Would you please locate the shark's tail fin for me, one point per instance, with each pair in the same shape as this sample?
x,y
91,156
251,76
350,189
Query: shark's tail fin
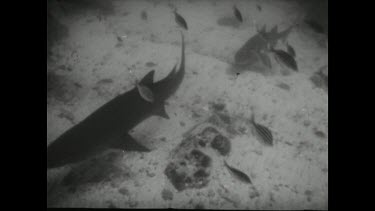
x,y
182,65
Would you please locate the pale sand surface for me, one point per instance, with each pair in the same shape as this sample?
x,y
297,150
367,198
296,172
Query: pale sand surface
x,y
292,174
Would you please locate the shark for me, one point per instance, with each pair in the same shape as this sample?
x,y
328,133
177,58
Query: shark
x,y
254,49
108,127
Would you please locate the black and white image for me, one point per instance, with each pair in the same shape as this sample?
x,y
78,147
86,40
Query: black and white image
x,y
187,104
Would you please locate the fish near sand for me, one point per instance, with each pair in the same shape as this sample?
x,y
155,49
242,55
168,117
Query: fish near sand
x,y
315,26
264,133
238,174
285,59
108,127
237,13
247,54
180,20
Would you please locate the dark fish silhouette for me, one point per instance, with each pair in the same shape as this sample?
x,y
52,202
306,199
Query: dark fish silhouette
x,y
180,20
315,26
238,174
247,54
259,7
285,59
108,126
264,133
237,13
290,50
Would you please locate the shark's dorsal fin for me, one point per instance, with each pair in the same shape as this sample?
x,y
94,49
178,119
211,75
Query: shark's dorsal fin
x,y
162,113
128,143
274,30
148,78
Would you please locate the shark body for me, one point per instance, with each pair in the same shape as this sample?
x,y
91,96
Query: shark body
x,y
252,51
108,126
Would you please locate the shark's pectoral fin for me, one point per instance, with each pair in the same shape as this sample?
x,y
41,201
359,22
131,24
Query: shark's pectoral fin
x,y
162,113
128,143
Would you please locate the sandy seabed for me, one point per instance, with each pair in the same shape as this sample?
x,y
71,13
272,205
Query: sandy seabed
x,y
91,66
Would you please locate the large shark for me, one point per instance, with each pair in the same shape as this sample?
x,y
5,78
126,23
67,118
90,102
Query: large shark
x,y
253,50
108,126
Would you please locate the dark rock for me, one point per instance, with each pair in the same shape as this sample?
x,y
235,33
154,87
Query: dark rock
x,y
167,194
218,106
201,173
202,143
176,178
225,118
221,144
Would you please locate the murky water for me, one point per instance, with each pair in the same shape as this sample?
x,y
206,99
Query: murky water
x,y
165,145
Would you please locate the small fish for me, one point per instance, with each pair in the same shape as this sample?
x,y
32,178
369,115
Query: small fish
x,y
238,174
259,7
180,20
290,50
315,26
263,132
285,58
237,13
145,92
